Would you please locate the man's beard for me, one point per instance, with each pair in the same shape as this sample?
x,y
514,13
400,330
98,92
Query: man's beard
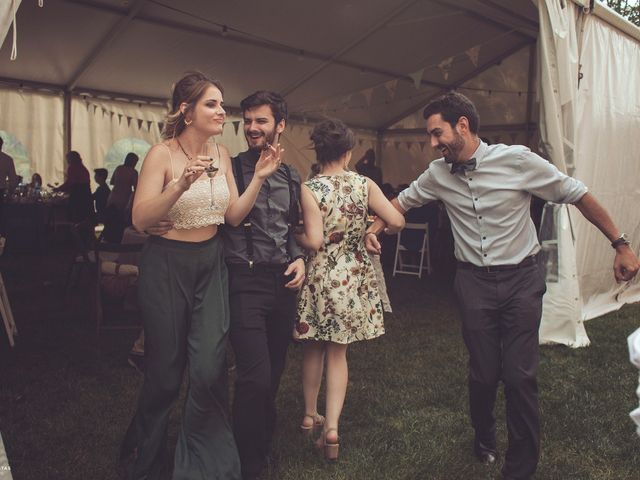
x,y
268,137
453,149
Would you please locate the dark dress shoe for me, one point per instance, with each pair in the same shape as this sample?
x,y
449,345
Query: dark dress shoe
x,y
485,453
487,458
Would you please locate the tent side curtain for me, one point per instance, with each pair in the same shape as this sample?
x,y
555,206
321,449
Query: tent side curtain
x,y
557,75
607,158
35,122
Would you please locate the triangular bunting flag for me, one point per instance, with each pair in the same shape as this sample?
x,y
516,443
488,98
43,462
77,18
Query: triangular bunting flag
x,y
422,145
111,114
409,145
87,104
368,93
161,126
391,86
417,78
140,124
104,111
473,53
445,67
129,121
119,118
149,122
236,126
95,107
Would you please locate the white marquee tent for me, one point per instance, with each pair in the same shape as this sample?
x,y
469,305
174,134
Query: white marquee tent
x,y
93,75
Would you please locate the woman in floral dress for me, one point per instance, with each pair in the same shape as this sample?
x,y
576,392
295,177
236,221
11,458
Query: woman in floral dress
x,y
339,302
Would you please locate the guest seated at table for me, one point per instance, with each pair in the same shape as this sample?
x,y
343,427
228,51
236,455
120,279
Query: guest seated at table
x,y
77,185
36,181
101,195
8,179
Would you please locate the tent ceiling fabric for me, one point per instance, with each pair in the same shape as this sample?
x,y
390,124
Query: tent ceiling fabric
x,y
367,62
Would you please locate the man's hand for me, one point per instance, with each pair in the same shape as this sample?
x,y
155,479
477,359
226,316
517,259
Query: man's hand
x,y
296,267
625,265
160,228
372,244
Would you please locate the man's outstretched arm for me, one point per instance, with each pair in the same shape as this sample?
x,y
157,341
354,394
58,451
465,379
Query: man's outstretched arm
x,y
625,264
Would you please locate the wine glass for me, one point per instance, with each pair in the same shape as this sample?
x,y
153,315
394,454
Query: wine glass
x,y
210,152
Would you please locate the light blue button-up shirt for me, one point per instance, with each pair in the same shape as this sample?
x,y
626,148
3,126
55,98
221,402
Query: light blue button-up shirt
x,y
489,206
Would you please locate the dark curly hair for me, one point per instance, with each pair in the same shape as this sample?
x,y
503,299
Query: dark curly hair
x,y
331,139
265,97
452,106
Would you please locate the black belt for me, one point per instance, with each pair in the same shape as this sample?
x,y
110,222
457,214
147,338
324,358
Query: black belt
x,y
258,267
530,260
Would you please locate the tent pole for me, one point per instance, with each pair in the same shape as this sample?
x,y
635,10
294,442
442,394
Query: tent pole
x,y
379,135
66,122
532,71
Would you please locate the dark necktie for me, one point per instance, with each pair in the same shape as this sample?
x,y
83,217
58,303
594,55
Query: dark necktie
x,y
464,166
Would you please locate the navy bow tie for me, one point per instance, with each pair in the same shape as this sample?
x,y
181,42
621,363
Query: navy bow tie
x,y
464,166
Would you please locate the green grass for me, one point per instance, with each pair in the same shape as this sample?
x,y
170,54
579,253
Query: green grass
x,y
66,396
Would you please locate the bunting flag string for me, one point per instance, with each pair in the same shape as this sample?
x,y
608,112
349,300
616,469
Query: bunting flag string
x,y
445,67
368,93
417,78
391,86
473,53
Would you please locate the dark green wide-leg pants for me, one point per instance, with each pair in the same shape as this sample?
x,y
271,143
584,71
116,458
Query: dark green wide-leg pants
x,y
183,295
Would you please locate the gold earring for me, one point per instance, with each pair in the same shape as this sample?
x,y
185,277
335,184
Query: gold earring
x,y
187,123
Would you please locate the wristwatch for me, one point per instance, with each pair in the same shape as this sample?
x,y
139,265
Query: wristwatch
x,y
621,240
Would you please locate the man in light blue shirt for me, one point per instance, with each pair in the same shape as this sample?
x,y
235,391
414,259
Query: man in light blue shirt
x,y
487,192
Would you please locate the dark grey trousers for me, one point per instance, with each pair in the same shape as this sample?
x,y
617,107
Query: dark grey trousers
x,y
183,295
262,316
500,319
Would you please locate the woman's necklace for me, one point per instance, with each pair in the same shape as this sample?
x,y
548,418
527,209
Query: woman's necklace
x,y
184,151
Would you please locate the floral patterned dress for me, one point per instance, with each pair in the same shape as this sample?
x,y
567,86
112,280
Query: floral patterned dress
x,y
339,301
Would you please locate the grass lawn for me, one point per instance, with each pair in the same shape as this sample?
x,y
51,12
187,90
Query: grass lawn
x,y
67,396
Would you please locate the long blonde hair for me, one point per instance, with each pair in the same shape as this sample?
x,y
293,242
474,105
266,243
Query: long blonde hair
x,y
189,89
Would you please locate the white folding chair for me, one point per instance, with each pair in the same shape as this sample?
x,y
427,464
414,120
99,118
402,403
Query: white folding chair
x,y
400,265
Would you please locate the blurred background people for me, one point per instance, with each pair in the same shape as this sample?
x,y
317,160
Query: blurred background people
x,y
8,178
117,215
367,166
101,195
77,185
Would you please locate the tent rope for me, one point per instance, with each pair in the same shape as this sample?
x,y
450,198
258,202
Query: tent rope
x,y
14,47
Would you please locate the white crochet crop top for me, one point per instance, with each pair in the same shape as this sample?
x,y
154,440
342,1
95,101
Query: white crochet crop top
x,y
203,204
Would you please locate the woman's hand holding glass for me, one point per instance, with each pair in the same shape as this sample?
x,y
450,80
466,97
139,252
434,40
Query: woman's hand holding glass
x,y
192,171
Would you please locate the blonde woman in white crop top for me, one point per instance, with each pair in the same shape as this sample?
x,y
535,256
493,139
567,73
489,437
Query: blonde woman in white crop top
x,y
172,168
182,288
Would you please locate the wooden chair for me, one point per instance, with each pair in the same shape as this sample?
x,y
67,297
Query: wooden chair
x,y
105,302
